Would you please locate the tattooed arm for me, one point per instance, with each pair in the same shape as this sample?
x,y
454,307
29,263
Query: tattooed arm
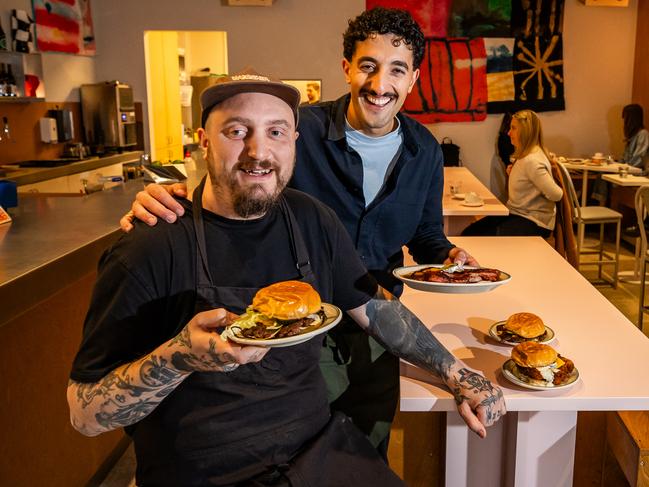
x,y
131,391
479,402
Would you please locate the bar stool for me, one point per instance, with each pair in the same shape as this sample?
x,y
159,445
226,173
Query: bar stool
x,y
589,215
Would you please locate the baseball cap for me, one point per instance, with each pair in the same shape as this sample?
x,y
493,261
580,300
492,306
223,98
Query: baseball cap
x,y
247,81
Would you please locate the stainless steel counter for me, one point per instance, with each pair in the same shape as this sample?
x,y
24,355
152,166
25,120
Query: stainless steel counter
x,y
22,176
54,240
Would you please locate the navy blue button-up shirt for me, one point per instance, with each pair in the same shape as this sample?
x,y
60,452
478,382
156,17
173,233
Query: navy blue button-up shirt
x,y
406,211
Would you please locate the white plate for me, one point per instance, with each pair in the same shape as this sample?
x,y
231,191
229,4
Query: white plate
x,y
507,372
459,196
447,287
333,316
494,334
477,203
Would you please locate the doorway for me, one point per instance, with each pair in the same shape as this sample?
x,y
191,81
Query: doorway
x,y
179,64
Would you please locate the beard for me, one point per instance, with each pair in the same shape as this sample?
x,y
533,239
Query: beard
x,y
252,200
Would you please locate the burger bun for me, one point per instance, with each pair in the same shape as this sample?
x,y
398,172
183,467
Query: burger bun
x,y
532,354
287,300
526,325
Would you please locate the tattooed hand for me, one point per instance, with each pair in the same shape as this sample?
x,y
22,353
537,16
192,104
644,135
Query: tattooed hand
x,y
131,391
198,347
479,402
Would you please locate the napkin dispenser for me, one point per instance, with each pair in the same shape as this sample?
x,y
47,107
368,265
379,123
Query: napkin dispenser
x,y
49,133
64,124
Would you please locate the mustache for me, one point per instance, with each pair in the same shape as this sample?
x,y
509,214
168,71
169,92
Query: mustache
x,y
252,164
365,91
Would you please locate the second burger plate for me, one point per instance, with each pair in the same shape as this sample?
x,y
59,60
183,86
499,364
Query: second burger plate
x,y
333,316
493,333
510,376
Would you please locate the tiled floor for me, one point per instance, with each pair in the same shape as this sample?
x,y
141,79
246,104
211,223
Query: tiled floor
x,y
625,298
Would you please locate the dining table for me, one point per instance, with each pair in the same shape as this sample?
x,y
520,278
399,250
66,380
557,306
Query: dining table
x,y
533,444
459,213
586,166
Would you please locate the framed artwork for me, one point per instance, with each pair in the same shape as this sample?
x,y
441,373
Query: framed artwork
x,y
64,26
310,89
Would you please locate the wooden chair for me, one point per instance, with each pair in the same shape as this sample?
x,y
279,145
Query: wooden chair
x,y
627,435
588,215
641,207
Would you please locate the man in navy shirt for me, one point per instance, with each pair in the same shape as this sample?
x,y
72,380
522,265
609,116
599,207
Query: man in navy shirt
x,y
382,173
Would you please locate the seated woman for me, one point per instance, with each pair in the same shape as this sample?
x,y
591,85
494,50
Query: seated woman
x,y
636,137
532,189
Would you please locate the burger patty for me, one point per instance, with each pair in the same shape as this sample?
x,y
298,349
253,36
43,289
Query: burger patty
x,y
289,328
434,274
560,375
513,337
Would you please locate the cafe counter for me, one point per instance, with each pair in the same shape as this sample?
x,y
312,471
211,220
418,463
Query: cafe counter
x,y
48,261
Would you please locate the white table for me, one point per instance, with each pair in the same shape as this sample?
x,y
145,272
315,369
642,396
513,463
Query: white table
x,y
585,167
534,444
458,216
629,180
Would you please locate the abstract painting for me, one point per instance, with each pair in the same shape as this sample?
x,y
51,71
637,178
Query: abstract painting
x,y
480,18
500,72
537,18
452,86
64,26
431,15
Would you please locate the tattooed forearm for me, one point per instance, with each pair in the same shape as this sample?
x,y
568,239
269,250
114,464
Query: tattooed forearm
x,y
125,395
403,334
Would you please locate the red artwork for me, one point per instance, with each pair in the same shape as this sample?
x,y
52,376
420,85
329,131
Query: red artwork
x,y
431,15
64,26
452,86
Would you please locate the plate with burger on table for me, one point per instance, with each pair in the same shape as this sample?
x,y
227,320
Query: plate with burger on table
x,y
521,327
538,366
451,278
283,314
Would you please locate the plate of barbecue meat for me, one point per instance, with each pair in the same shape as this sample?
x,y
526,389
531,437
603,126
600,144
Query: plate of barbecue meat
x,y
451,279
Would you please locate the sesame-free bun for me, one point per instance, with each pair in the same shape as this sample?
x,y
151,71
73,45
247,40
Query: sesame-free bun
x,y
527,325
532,354
287,300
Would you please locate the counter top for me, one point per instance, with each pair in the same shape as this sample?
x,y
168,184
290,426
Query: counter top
x,y
31,175
51,240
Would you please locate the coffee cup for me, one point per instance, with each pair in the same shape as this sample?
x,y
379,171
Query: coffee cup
x,y
472,198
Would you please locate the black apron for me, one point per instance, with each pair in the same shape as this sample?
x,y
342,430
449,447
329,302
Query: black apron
x,y
296,444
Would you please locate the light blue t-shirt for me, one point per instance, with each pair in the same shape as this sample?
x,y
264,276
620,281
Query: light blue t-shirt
x,y
376,153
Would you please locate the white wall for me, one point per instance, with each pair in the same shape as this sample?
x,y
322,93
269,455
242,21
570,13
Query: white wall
x,y
302,39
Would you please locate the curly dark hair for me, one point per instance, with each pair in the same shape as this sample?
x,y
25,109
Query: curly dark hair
x,y
379,21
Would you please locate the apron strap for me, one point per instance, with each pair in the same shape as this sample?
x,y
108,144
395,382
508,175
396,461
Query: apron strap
x,y
204,278
298,247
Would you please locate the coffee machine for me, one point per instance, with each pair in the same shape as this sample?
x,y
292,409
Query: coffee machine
x,y
108,116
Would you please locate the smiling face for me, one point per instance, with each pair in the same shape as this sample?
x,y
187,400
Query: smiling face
x,y
249,145
380,75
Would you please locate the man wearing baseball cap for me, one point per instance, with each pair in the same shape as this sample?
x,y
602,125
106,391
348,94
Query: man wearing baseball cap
x,y
203,410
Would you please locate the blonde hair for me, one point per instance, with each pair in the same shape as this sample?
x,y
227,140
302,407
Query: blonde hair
x,y
530,133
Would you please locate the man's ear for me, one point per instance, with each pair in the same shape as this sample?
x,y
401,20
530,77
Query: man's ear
x,y
202,138
346,69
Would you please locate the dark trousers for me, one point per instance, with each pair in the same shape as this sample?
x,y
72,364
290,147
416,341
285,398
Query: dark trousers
x,y
505,226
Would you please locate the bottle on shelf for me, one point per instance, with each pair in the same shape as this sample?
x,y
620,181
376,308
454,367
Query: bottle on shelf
x,y
3,80
11,82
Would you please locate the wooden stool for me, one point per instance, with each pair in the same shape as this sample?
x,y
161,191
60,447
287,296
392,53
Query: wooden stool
x,y
627,435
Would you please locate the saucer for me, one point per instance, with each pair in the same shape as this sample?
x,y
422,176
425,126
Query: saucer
x,y
475,203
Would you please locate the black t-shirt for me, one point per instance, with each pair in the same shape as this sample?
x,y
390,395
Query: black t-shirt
x,y
145,291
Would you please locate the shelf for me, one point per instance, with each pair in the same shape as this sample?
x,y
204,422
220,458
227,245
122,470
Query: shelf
x,y
20,99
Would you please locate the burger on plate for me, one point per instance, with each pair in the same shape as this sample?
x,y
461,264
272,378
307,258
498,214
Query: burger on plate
x,y
280,310
522,327
539,364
